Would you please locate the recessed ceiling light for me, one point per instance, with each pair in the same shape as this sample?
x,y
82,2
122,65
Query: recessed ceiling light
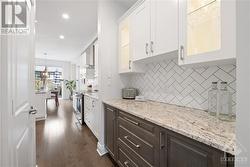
x,y
65,16
61,37
36,21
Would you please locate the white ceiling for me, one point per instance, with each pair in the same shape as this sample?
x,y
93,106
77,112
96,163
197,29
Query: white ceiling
x,y
79,30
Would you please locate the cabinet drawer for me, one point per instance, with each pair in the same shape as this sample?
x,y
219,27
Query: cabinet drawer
x,y
124,160
151,138
127,158
146,150
137,122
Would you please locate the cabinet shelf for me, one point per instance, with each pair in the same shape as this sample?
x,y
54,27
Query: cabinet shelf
x,y
202,6
125,48
125,45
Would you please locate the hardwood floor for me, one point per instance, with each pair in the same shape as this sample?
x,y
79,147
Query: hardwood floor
x,y
63,143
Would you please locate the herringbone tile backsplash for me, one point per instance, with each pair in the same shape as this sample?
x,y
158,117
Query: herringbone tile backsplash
x,y
169,83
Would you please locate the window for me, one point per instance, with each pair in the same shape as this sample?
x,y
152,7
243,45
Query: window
x,y
48,78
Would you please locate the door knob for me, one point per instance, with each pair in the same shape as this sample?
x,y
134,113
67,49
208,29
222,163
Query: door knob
x,y
32,110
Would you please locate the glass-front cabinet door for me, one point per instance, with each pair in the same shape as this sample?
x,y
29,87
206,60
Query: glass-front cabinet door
x,y
124,46
126,65
207,31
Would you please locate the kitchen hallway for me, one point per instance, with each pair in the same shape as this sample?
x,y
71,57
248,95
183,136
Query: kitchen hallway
x,y
61,142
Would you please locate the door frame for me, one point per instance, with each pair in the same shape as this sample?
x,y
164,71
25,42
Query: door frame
x,y
5,101
1,96
6,157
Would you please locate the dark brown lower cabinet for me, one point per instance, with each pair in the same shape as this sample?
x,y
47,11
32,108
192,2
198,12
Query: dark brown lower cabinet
x,y
180,151
134,142
140,137
110,130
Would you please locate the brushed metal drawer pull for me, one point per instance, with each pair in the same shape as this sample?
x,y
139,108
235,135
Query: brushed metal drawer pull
x,y
126,163
129,120
110,109
136,145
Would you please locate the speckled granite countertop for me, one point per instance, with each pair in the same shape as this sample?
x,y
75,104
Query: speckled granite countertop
x,y
193,123
92,95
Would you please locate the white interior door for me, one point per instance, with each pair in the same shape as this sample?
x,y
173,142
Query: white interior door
x,y
22,118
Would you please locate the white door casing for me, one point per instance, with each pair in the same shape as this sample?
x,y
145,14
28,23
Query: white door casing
x,y
17,72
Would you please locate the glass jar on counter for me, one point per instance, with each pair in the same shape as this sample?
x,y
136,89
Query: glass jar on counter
x,y
224,110
212,99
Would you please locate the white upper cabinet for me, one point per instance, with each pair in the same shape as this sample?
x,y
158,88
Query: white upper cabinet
x,y
203,32
140,31
126,64
83,59
155,29
89,61
124,46
164,26
90,55
207,31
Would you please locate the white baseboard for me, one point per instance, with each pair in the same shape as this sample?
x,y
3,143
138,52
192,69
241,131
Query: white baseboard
x,y
101,149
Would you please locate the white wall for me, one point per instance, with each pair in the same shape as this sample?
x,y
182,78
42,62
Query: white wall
x,y
109,81
243,83
66,66
73,72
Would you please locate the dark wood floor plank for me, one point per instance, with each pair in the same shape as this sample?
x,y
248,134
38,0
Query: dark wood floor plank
x,y
61,142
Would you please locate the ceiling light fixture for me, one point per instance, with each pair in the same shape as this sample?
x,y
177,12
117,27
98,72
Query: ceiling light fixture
x,y
61,37
65,16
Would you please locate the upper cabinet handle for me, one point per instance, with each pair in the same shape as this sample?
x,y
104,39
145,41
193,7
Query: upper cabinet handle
x,y
182,52
151,46
129,64
146,48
